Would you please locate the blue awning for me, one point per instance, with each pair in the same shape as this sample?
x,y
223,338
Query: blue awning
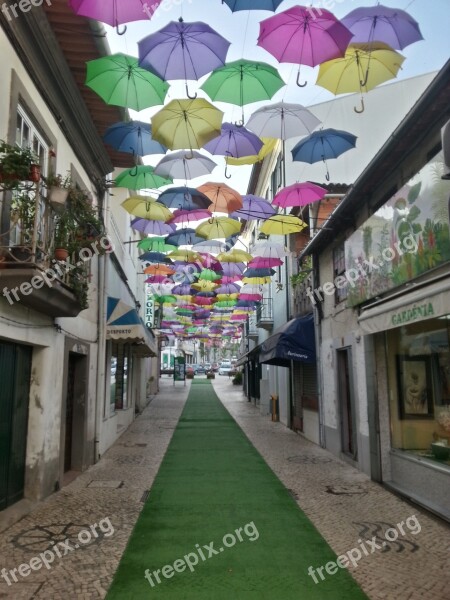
x,y
124,326
295,340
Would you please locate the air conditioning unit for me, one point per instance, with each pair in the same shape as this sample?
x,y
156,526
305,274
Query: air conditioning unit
x,y
445,132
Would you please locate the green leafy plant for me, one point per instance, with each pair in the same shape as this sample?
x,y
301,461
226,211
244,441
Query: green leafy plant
x,y
23,210
58,181
237,380
15,164
306,269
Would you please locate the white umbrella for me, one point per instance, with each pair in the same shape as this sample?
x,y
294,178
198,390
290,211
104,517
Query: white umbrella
x,y
269,250
282,121
210,246
185,164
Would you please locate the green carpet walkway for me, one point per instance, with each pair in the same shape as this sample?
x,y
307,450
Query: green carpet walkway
x,y
223,523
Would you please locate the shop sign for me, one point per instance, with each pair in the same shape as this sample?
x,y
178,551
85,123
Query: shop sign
x,y
150,312
416,313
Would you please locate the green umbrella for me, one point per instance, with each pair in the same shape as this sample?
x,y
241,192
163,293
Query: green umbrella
x,y
141,177
242,82
155,244
209,275
226,303
166,299
119,80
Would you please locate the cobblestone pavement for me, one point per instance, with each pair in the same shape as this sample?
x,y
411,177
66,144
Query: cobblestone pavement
x,y
344,505
347,508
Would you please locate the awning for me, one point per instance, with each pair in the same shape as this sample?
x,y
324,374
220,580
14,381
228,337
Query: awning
x,y
247,356
295,340
428,302
125,326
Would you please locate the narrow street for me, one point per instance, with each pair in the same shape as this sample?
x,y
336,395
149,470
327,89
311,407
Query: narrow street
x,y
346,508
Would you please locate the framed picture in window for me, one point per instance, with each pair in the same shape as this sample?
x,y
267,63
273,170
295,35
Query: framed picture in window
x,y
415,387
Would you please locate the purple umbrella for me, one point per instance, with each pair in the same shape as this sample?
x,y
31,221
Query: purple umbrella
x,y
115,12
229,288
254,208
183,290
230,268
379,23
189,216
304,36
152,227
183,51
234,141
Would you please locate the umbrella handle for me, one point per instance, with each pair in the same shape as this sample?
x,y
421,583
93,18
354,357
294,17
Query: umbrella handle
x,y
360,110
239,123
188,94
123,32
298,81
227,175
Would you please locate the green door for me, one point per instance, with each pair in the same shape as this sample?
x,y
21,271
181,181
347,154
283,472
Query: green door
x,y
15,372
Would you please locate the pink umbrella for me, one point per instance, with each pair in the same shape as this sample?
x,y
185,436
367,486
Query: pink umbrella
x,y
251,297
304,36
299,194
238,317
189,216
260,262
115,12
231,278
158,279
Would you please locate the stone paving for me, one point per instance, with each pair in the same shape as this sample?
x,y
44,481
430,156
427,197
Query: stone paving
x,y
345,506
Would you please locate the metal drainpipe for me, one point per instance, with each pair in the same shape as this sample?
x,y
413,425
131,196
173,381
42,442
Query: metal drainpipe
x,y
318,336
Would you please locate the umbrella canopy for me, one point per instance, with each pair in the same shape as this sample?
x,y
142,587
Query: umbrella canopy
x,y
183,51
234,141
134,137
184,198
261,272
229,288
186,255
114,12
119,81
185,165
363,67
154,257
299,194
380,23
159,269
256,280
236,5
141,177
152,227
218,227
155,244
250,297
146,207
243,82
187,124
209,275
223,197
210,246
304,36
254,208
210,262
282,121
189,216
322,145
234,256
265,263
205,286
183,237
270,250
269,145
233,268
282,225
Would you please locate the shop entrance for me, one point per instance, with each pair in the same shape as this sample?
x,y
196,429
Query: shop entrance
x,y
74,415
346,402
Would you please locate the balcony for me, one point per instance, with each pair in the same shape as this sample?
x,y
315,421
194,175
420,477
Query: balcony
x,y
32,272
264,314
302,302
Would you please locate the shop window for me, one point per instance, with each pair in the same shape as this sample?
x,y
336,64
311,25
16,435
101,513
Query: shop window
x,y
339,271
120,376
419,388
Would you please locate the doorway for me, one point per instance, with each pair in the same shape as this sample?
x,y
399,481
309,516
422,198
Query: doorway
x,y
15,367
346,402
74,422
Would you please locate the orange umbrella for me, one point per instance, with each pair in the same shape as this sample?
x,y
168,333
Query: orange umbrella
x,y
158,269
223,197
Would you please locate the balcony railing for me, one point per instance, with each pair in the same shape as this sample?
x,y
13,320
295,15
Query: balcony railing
x,y
264,314
302,302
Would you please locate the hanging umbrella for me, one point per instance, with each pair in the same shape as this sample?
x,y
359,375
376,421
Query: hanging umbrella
x,y
183,51
146,207
269,145
184,237
254,208
254,272
119,81
165,299
218,227
380,23
236,5
299,194
155,244
364,67
209,275
322,145
209,261
232,296
189,216
235,256
223,197
114,12
185,165
186,255
233,268
154,257
234,141
159,269
185,124
250,297
134,137
210,246
141,177
304,36
184,198
205,286
231,278
248,289
152,227
158,279
182,290
229,288
243,82
256,280
232,240
282,225
265,263
282,121
270,250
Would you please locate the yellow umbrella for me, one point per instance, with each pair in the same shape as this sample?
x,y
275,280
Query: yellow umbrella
x,y
146,207
223,197
205,286
363,67
268,147
218,227
225,297
234,256
256,280
187,124
186,255
282,225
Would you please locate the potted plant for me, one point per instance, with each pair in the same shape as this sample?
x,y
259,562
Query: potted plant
x,y
61,240
237,378
89,225
17,165
58,190
210,375
23,208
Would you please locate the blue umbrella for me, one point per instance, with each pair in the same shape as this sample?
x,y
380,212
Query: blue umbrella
x,y
184,237
236,5
231,240
155,257
322,145
134,137
259,272
184,198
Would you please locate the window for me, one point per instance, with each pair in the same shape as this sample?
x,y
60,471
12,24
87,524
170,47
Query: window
x,y
276,179
27,136
339,271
